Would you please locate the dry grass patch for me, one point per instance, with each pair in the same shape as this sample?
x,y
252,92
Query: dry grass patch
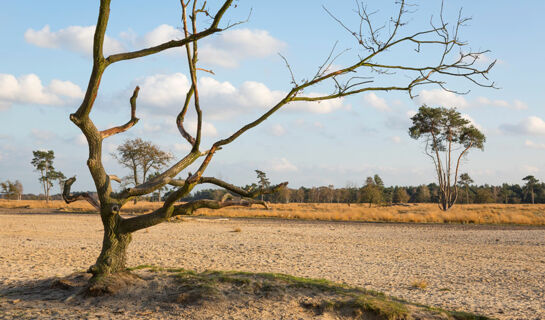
x,y
419,284
521,214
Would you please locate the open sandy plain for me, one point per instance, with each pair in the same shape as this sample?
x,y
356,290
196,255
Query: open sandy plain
x,y
498,271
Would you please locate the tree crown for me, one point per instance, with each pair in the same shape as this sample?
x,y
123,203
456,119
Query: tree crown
x,y
444,126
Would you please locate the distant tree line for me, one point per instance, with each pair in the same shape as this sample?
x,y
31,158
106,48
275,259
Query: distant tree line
x,y
372,192
375,193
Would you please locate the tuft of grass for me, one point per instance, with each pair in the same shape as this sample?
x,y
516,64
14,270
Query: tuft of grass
x,y
419,284
146,267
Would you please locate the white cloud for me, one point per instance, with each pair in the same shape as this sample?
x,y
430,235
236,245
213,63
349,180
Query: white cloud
x,y
395,139
163,90
81,140
470,119
282,165
74,38
226,49
151,128
208,129
533,145
278,130
160,34
531,126
519,105
482,59
66,88
182,147
221,100
28,89
442,98
530,169
321,107
376,102
439,97
318,125
42,135
233,46
516,104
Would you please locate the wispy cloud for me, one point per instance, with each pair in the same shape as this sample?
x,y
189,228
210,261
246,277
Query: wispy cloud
x,y
529,126
282,165
534,145
78,39
439,97
376,102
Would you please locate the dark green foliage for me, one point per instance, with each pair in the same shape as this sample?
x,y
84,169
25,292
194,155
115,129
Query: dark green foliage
x,y
528,189
465,181
446,125
372,191
400,195
506,193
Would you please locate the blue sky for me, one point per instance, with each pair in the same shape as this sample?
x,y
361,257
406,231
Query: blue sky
x,y
46,63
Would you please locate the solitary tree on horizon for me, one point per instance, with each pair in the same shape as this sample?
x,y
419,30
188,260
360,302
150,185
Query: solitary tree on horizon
x,y
444,131
262,180
43,163
531,182
369,71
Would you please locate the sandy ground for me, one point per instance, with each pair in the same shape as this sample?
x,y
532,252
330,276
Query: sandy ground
x,y
497,271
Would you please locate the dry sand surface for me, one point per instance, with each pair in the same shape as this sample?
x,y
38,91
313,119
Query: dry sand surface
x,y
497,271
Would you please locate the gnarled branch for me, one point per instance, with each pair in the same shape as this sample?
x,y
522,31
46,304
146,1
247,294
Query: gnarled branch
x,y
72,197
163,214
213,28
181,117
130,123
244,193
160,180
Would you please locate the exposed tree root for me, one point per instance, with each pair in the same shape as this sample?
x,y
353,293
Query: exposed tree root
x,y
110,284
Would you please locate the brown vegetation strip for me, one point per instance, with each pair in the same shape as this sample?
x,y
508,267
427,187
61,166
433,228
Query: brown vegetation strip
x,y
522,214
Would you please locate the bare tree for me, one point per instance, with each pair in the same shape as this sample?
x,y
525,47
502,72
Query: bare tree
x,y
140,157
12,189
18,189
354,78
444,131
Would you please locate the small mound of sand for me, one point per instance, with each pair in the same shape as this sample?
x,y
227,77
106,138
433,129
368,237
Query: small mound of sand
x,y
156,293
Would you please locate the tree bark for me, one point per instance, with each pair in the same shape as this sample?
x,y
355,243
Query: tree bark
x,y
113,257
